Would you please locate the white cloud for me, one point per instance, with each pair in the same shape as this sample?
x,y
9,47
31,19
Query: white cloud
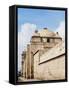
x,y
61,29
24,37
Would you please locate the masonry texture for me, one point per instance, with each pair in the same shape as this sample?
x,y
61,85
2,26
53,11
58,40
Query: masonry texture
x,y
44,58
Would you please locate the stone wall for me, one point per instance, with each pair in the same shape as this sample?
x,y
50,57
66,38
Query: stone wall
x,y
50,70
51,65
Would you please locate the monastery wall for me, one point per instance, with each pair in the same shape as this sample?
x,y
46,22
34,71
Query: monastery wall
x,y
51,65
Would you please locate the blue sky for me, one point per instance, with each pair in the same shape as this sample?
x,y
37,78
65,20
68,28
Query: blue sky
x,y
42,18
31,19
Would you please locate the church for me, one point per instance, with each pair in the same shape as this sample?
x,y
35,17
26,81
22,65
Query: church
x,y
44,58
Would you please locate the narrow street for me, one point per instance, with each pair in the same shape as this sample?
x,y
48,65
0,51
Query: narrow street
x,y
21,79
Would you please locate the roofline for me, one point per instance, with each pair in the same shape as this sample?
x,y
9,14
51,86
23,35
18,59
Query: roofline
x,y
47,37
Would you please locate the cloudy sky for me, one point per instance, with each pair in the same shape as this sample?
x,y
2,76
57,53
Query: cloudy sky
x,y
31,19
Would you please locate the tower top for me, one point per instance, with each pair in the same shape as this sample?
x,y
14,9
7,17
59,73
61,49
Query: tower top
x,y
36,31
45,28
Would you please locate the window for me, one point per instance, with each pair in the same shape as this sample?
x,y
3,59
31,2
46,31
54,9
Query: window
x,y
48,40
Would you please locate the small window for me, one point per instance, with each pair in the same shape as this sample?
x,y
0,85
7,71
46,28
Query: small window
x,y
48,40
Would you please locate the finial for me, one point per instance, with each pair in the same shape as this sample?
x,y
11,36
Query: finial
x,y
36,31
45,28
57,32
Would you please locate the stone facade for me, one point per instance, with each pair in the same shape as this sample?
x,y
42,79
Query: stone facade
x,y
40,49
51,65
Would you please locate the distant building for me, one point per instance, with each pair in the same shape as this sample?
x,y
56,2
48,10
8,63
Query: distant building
x,y
44,58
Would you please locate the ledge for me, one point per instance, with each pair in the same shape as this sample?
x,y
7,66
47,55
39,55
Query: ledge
x,y
51,59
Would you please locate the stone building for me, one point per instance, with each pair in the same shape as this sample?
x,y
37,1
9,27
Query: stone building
x,y
43,55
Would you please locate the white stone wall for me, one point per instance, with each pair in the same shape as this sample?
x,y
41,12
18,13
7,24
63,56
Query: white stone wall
x,y
52,70
51,65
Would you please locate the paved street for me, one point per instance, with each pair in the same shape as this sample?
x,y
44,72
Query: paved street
x,y
21,79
